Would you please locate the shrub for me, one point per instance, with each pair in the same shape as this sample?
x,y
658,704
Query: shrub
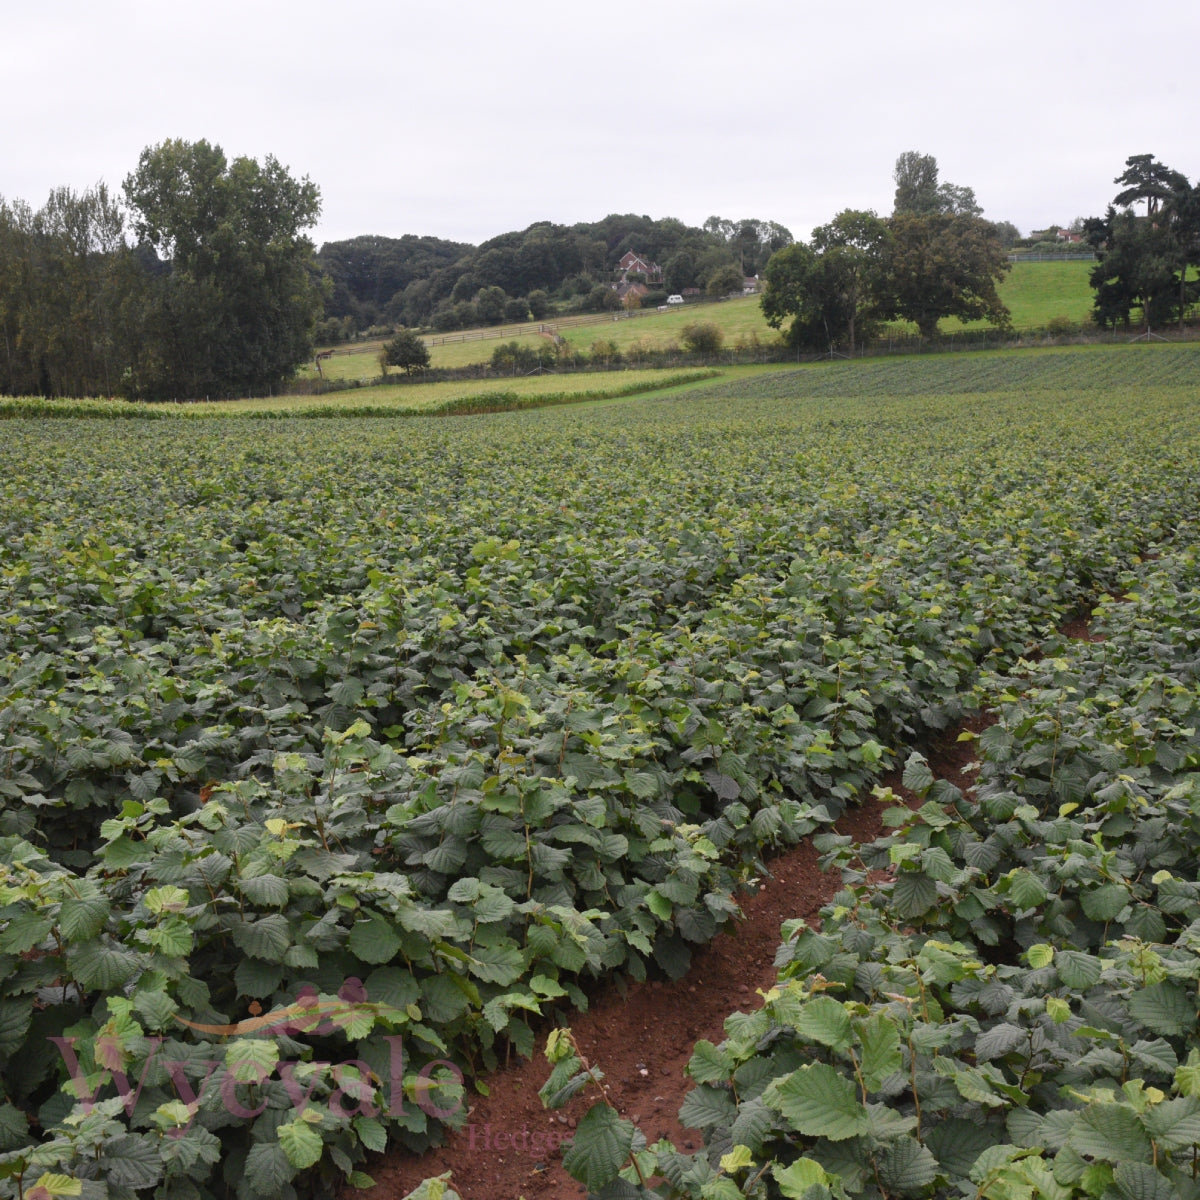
x,y
1058,326
516,358
702,337
600,299
605,350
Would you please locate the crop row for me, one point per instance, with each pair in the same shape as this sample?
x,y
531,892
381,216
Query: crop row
x,y
328,764
1002,1000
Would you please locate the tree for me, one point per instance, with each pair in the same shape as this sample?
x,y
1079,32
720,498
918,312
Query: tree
x,y
516,310
70,295
539,304
944,266
723,281
489,304
1008,233
407,351
918,190
235,307
1146,179
1145,259
830,287
916,179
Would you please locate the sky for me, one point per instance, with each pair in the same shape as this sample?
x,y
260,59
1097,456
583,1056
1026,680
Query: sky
x,y
468,119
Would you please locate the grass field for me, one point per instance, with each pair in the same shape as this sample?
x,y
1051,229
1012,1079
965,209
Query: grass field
x,y
1035,293
410,396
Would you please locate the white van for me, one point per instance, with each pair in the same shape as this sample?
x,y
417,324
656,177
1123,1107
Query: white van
x,y
674,299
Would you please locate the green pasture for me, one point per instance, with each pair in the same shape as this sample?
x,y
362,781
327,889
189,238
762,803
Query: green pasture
x,y
1035,293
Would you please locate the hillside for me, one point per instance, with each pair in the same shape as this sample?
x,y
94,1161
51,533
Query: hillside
x,y
1035,293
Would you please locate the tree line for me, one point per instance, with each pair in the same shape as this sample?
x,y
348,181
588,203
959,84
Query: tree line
x,y
202,283
198,278
445,285
934,257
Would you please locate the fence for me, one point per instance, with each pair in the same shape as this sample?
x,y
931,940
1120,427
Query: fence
x,y
1065,256
549,328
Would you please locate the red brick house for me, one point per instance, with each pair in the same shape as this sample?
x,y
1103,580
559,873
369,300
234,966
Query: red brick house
x,y
635,264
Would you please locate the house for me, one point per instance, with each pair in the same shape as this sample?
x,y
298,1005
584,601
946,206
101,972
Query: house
x,y
750,285
635,264
1065,235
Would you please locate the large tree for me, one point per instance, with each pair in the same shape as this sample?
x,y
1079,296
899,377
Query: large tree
x,y
69,295
235,308
918,191
1147,181
942,265
829,287
1145,260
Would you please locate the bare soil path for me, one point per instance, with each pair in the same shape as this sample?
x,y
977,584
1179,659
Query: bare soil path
x,y
643,1034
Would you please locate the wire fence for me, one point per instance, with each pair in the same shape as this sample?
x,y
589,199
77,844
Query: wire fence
x,y
1054,256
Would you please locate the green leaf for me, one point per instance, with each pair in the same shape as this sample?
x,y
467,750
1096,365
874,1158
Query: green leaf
x,y
881,1053
156,1008
750,1127
301,1143
101,965
257,978
502,964
705,1107
268,1168
1164,1008
917,775
268,890
825,1021
1106,902
818,1102
267,938
1174,1124
83,917
251,1060
25,931
710,1064
1040,955
795,1180
132,1162
913,894
998,1040
907,1167
1110,1133
371,1133
1077,970
1140,1181
1026,890
600,1147
374,940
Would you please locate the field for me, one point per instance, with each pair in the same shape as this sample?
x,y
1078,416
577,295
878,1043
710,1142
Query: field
x,y
340,754
1036,293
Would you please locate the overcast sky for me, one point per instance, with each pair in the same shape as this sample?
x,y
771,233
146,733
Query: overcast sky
x,y
469,118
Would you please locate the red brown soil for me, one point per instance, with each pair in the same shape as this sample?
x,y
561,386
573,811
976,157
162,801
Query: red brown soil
x,y
643,1034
